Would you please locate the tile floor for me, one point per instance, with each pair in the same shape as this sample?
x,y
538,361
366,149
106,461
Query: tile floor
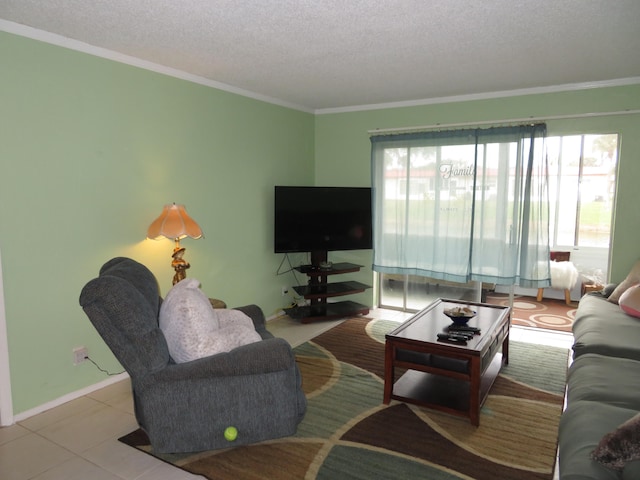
x,y
78,440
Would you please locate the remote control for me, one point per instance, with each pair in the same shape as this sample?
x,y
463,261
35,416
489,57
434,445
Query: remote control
x,y
452,337
464,328
460,333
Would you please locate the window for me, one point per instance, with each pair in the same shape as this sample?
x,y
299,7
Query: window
x,y
459,207
581,191
582,179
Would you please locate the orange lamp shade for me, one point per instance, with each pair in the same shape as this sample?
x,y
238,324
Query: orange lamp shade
x,y
174,223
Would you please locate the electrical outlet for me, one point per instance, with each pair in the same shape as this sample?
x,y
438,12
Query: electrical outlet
x,y
285,291
80,355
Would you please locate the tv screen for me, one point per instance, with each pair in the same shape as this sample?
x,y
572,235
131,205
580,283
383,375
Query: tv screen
x,y
309,219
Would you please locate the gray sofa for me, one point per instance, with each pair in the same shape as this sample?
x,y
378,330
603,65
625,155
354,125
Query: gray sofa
x,y
186,407
603,389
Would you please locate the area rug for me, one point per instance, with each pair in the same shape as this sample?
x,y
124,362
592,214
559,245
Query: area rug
x,y
549,314
348,433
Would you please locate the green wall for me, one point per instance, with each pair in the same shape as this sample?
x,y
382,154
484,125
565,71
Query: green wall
x,y
343,148
90,151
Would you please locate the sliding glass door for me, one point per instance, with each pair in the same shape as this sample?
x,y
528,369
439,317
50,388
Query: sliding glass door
x,y
412,293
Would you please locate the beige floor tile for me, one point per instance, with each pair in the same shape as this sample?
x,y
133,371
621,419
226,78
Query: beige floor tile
x,y
120,459
13,432
55,415
124,403
394,315
118,396
90,428
165,471
76,469
30,455
297,333
112,392
541,337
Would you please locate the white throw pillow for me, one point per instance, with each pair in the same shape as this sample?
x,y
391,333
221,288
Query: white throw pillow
x,y
193,329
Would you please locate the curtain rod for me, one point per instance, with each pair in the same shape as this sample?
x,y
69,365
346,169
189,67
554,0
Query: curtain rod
x,y
494,122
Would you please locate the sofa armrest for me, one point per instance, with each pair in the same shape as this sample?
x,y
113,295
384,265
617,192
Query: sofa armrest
x,y
270,355
256,315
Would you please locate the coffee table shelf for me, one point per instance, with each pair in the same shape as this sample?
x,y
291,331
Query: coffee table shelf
x,y
441,392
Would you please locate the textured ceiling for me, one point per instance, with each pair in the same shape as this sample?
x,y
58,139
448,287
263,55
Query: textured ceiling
x,y
333,54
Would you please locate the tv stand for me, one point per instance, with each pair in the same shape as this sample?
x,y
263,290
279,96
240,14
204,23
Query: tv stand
x,y
318,290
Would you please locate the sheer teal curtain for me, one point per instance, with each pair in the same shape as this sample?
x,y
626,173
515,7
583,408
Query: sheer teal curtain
x,y
463,205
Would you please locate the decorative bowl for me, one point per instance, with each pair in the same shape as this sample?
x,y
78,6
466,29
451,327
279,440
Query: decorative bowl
x,y
459,315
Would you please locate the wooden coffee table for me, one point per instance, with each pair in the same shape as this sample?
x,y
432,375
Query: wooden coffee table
x,y
451,377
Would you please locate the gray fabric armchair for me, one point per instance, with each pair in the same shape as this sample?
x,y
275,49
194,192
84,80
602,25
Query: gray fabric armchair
x,y
186,407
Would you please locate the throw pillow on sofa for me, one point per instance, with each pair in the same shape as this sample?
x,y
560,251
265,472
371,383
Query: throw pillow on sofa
x,y
630,301
621,446
632,279
193,329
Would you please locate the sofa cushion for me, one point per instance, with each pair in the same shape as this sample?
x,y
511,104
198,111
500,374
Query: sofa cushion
x,y
193,329
630,301
632,279
602,327
582,426
598,378
620,446
631,470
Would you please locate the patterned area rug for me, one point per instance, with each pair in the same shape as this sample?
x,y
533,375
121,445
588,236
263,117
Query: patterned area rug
x,y
348,433
550,314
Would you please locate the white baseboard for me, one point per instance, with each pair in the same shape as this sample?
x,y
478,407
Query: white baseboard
x,y
278,314
68,397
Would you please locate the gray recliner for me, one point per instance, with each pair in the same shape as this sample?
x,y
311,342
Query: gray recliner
x,y
186,407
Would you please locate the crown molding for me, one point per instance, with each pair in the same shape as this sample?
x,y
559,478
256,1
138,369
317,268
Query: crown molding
x,y
65,42
71,44
485,96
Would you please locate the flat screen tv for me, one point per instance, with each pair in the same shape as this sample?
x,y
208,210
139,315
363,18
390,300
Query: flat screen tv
x,y
322,219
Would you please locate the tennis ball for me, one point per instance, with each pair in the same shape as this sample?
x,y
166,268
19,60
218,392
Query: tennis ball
x,y
231,433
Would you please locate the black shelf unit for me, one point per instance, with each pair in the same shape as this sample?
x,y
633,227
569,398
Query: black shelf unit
x,y
318,291
330,289
327,311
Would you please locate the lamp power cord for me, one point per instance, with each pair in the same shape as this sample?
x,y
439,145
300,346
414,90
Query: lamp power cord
x,y
111,374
